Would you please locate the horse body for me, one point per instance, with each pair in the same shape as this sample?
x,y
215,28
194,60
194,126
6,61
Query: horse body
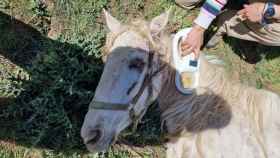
x,y
222,118
244,122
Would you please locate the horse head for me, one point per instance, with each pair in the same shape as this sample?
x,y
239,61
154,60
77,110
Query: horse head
x,y
130,82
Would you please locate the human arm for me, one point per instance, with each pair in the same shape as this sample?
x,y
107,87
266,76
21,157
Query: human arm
x,y
255,12
208,12
194,41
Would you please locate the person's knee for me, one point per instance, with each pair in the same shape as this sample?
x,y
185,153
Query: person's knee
x,y
187,3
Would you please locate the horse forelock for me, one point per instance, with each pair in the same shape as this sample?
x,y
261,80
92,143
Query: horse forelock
x,y
160,44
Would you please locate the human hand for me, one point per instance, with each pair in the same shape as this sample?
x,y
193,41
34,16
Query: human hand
x,y
252,12
193,42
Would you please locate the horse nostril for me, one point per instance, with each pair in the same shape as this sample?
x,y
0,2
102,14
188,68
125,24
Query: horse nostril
x,y
95,136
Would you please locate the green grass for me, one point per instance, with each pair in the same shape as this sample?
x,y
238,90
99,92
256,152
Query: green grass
x,y
50,82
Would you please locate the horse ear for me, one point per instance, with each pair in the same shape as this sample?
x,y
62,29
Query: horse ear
x,y
159,23
112,23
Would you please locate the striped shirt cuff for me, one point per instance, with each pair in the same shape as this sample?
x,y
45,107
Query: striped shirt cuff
x,y
204,19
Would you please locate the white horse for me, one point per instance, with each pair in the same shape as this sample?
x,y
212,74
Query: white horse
x,y
221,119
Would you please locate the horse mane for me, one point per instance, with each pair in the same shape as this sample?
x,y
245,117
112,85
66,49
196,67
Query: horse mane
x,y
196,112
159,44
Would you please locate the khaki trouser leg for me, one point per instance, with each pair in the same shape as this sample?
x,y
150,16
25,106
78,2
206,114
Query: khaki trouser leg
x,y
188,3
246,30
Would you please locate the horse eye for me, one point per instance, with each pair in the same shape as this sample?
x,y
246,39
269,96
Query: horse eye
x,y
137,64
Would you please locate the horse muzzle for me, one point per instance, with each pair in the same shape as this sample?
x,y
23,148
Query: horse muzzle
x,y
97,140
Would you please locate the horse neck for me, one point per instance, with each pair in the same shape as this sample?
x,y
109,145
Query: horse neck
x,y
190,112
